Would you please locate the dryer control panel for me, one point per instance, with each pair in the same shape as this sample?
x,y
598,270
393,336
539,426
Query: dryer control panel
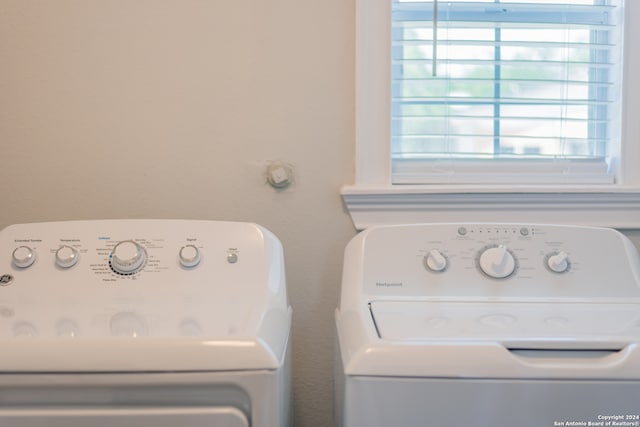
x,y
139,278
485,261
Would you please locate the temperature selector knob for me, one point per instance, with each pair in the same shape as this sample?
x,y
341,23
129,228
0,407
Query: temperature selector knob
x,y
189,256
66,256
128,257
435,261
497,262
558,262
23,257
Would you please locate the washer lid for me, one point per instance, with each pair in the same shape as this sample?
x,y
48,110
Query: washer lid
x,y
421,339
522,325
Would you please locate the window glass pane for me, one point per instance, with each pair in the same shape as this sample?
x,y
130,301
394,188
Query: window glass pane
x,y
498,78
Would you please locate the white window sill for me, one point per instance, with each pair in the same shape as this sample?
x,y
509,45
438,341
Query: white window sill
x,y
604,206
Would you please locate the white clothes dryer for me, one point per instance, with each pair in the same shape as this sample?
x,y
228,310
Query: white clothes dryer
x,y
488,325
143,323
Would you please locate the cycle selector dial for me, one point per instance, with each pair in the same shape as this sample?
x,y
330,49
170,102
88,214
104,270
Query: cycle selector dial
x,y
497,262
128,257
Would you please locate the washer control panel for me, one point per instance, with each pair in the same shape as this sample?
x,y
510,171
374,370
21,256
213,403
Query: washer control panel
x,y
495,260
135,278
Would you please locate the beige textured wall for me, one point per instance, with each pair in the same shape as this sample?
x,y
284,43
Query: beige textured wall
x,y
170,109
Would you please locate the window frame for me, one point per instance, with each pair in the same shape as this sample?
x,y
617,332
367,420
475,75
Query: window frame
x,y
373,200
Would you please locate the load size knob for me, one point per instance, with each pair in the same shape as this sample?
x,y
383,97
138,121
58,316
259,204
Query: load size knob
x,y
128,257
435,261
497,262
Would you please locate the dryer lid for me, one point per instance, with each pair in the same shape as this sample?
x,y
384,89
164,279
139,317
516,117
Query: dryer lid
x,y
263,351
222,416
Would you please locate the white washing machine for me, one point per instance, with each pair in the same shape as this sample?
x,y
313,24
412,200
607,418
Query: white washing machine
x,y
488,325
143,323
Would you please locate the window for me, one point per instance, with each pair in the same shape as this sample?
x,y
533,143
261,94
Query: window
x,y
478,110
530,87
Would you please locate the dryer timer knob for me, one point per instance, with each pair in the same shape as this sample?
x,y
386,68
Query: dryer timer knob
x,y
128,257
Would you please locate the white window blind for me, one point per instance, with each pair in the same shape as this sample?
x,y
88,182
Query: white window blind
x,y
495,92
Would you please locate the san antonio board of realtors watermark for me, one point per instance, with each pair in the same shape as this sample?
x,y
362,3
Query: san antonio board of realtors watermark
x,y
602,420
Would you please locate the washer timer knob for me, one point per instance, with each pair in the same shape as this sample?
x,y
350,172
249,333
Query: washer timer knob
x,y
128,257
435,261
497,262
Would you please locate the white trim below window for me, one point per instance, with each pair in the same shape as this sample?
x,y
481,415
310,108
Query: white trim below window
x,y
617,208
